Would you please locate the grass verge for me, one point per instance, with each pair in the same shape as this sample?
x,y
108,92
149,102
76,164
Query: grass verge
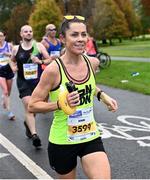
x,y
122,70
129,49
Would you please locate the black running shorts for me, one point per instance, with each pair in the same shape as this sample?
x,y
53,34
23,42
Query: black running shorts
x,y
6,72
63,158
25,87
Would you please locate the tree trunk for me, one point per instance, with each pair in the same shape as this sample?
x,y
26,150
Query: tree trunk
x,y
110,42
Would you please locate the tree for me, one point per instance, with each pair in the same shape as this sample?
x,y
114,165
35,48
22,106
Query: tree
x,y
145,16
142,8
137,5
78,7
109,21
45,12
62,5
6,7
18,18
146,6
132,18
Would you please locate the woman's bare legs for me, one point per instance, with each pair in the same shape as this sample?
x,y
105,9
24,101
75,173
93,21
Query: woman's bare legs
x,y
96,165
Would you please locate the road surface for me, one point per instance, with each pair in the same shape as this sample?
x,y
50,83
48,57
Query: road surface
x,y
126,137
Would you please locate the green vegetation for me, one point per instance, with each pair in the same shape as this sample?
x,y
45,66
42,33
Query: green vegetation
x,y
106,19
132,48
45,12
122,70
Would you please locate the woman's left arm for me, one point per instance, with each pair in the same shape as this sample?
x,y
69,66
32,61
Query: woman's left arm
x,y
106,99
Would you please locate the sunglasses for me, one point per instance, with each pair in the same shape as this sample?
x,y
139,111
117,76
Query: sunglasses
x,y
71,17
52,29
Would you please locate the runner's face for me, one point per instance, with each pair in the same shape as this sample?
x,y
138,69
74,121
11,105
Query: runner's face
x,y
27,33
2,37
76,38
52,31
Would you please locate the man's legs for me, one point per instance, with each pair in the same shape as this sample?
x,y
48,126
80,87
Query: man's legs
x,y
30,123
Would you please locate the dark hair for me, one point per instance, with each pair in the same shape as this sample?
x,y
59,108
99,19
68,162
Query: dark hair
x,y
3,32
65,25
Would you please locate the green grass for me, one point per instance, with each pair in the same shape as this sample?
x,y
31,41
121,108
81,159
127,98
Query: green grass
x,y
122,70
132,48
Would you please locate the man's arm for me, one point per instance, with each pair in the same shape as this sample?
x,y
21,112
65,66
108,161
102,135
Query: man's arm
x,y
47,59
13,63
45,43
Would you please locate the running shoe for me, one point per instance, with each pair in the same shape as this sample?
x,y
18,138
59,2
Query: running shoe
x,y
28,133
11,116
36,140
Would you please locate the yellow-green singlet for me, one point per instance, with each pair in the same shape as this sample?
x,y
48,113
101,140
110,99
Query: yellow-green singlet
x,y
81,126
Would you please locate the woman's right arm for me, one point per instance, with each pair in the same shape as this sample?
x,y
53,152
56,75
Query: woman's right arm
x,y
37,103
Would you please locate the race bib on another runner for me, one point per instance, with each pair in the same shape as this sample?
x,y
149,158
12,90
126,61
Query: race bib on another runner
x,y
81,125
30,71
55,53
4,60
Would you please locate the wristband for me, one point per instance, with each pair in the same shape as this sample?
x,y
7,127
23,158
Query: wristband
x,y
99,95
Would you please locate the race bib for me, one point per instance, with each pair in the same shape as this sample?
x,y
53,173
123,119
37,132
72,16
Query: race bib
x,y
4,60
55,53
30,71
81,125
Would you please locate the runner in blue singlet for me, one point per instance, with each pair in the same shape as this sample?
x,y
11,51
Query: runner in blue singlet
x,y
52,44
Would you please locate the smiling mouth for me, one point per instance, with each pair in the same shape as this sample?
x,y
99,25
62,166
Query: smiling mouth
x,y
79,46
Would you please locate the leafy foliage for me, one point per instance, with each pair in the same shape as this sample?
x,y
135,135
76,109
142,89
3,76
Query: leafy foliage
x,y
45,12
132,18
109,21
6,7
19,17
145,15
105,18
146,6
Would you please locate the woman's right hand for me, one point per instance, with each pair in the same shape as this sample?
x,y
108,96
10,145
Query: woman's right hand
x,y
73,99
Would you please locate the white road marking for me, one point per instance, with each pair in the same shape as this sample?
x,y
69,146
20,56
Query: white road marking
x,y
3,155
24,159
130,123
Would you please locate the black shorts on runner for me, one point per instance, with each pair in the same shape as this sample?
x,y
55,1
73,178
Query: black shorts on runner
x,y
6,72
63,158
25,87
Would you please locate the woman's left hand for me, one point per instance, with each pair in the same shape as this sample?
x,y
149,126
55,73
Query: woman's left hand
x,y
110,102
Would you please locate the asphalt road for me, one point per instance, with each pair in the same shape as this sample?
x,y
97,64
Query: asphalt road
x,y
126,137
